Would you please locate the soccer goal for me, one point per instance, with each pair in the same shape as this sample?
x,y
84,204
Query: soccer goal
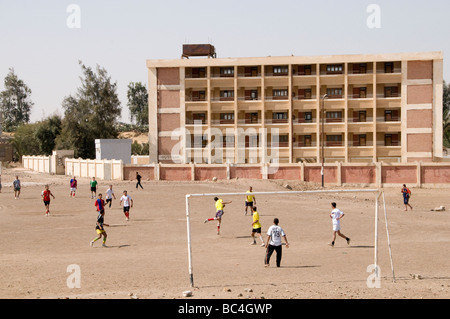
x,y
379,198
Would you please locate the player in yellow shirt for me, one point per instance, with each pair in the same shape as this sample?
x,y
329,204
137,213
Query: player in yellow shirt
x,y
250,200
256,225
220,204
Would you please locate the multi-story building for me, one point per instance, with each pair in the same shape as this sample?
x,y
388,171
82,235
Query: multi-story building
x,y
365,108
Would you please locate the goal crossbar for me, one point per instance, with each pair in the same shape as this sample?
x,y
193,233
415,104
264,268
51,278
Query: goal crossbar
x,y
378,194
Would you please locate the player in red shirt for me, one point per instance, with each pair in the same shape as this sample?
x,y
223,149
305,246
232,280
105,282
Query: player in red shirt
x,y
46,193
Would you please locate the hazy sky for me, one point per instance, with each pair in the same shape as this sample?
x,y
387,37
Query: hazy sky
x,y
120,35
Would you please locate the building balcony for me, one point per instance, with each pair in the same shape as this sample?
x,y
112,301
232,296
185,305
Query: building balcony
x,y
196,122
249,122
276,98
305,97
302,144
276,121
222,122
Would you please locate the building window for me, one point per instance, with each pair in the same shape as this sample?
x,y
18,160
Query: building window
x,y
228,141
334,93
334,116
389,67
227,116
228,71
198,73
280,116
334,140
359,140
391,91
308,117
304,70
334,69
280,70
307,140
280,93
251,95
304,94
227,95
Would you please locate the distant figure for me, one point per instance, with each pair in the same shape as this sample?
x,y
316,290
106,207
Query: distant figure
x,y
0,183
100,230
138,177
110,195
336,215
73,186
220,204
256,227
100,204
93,185
250,200
16,185
127,203
46,193
406,196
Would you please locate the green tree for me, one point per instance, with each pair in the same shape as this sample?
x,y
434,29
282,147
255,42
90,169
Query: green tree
x,y
446,115
92,113
138,103
46,132
25,141
15,102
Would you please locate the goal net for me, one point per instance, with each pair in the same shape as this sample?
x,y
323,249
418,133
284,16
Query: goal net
x,y
379,199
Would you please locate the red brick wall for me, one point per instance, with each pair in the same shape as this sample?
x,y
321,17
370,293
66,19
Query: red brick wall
x,y
399,174
419,70
420,94
168,76
358,174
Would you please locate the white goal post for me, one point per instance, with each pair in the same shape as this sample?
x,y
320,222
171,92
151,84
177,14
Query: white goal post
x,y
377,193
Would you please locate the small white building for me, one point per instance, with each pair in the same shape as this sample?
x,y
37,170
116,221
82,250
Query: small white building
x,y
109,149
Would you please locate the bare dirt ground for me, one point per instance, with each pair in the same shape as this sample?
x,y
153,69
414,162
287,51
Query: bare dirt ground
x,y
147,256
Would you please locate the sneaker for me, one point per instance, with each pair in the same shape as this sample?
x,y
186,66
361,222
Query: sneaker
x,y
331,244
263,245
206,220
348,241
91,244
253,243
103,245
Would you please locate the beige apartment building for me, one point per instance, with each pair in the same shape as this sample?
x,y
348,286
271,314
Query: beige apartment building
x,y
365,108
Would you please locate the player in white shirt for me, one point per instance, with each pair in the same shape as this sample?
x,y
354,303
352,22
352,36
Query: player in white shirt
x,y
110,195
127,203
336,215
274,233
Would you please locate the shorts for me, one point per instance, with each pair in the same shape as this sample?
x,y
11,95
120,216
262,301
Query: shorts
x,y
248,204
126,208
406,200
46,202
17,189
336,227
101,211
108,200
219,214
100,231
73,189
93,189
256,230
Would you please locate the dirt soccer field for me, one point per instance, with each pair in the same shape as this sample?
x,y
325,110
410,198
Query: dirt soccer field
x,y
148,256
